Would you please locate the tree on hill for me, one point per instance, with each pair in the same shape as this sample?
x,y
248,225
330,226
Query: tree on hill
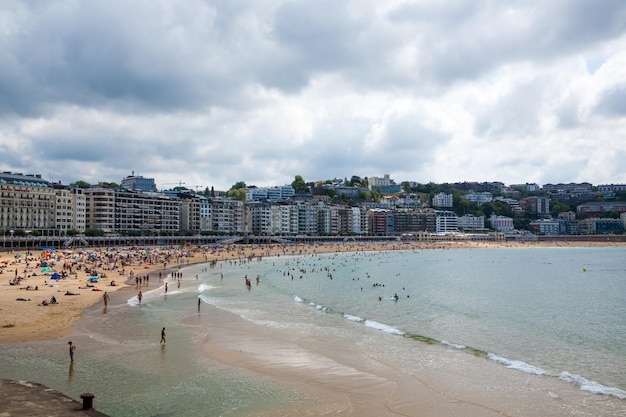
x,y
110,185
237,193
80,184
238,185
299,186
557,207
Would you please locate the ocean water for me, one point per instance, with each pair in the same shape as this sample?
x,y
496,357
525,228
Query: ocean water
x,y
558,313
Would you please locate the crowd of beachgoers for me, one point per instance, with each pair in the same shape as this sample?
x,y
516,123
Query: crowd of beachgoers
x,y
43,292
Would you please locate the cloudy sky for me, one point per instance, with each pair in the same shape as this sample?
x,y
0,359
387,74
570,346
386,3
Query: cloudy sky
x,y
211,92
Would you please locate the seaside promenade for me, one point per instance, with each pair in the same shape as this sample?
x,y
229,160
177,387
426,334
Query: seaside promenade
x,y
26,399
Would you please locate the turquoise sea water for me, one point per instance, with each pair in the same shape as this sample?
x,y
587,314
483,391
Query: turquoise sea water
x,y
556,312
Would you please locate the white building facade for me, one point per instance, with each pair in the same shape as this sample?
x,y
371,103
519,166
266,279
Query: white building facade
x,y
501,223
442,200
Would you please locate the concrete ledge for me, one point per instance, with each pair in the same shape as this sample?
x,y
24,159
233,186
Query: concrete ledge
x,y
23,398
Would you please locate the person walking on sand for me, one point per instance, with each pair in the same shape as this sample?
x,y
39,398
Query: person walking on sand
x,y
162,335
72,349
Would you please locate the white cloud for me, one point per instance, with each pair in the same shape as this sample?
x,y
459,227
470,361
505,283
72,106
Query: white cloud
x,y
211,93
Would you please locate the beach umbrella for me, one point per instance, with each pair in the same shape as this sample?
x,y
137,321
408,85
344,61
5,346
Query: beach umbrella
x,y
94,278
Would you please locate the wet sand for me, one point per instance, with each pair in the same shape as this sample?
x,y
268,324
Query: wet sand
x,y
344,380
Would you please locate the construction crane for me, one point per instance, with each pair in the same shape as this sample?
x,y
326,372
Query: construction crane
x,y
179,183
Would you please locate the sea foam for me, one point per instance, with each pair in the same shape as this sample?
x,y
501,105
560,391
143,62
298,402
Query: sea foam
x,y
350,317
453,345
517,365
204,287
385,328
592,386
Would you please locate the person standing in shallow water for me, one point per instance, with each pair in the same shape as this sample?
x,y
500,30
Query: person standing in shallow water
x,y
163,335
72,349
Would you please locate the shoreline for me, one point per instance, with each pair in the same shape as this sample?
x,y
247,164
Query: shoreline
x,y
329,372
337,377
25,320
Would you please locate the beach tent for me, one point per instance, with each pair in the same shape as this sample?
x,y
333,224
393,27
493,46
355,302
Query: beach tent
x,y
55,276
94,278
46,269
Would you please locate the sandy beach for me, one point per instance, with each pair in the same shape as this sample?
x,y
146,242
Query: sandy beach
x,y
26,277
340,382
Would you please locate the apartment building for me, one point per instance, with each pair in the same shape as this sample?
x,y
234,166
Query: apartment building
x,y
227,215
138,183
270,193
356,220
571,191
411,221
471,222
536,205
501,223
380,221
27,202
547,226
442,200
446,222
258,218
597,208
150,213
479,198
70,210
